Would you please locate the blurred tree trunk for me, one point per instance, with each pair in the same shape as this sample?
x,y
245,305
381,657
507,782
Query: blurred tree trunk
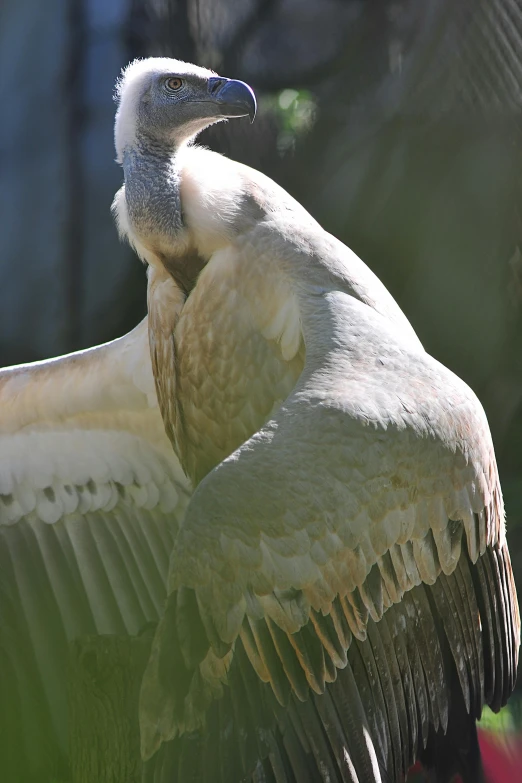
x,y
65,279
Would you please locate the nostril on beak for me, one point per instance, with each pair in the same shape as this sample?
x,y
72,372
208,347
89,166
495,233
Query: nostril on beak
x,y
215,84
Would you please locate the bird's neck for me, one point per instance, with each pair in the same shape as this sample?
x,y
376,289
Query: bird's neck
x,y
152,190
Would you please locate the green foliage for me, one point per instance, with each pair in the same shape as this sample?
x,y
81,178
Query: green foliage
x,y
295,111
507,721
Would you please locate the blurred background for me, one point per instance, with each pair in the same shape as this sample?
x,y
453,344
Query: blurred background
x,y
397,123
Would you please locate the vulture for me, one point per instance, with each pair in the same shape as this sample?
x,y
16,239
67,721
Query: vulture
x,y
273,469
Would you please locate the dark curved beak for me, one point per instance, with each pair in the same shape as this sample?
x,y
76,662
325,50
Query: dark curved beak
x,y
234,98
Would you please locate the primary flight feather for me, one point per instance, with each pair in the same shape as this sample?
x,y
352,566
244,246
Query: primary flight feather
x,y
91,494
341,596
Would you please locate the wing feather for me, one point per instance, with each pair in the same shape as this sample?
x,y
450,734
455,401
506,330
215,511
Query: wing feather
x,y
371,696
378,543
368,724
431,656
410,734
92,496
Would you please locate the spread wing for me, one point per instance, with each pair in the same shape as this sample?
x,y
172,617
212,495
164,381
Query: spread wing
x,y
344,572
90,498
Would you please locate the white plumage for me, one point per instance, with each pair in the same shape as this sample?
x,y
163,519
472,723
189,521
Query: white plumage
x,y
73,429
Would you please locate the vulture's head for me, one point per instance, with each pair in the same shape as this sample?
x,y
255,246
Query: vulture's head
x,y
165,102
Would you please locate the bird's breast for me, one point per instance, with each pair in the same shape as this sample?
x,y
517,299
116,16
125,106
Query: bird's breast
x,y
184,268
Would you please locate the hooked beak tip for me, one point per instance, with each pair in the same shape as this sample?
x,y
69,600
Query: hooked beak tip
x,y
235,98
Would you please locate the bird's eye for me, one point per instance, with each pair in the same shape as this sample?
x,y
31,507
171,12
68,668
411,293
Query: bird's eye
x,y
174,83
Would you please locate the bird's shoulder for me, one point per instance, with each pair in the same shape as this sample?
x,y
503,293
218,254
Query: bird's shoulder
x,y
223,199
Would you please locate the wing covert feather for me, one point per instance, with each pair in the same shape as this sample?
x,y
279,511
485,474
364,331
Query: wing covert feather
x,y
239,351
394,476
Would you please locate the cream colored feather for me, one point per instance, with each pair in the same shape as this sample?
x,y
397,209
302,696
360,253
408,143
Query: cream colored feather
x,y
91,497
